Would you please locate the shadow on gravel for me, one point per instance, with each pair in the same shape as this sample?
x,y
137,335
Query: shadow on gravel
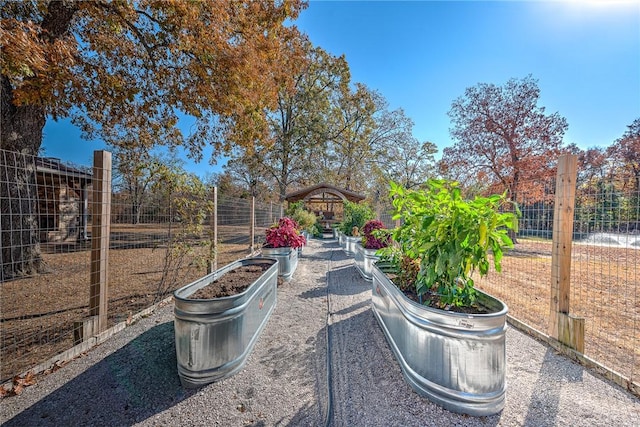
x,y
339,255
544,405
317,292
128,386
347,281
319,256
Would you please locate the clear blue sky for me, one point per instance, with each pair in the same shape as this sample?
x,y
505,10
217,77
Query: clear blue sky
x,y
421,55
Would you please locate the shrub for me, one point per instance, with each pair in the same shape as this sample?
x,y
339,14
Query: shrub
x,y
450,237
355,215
306,220
284,234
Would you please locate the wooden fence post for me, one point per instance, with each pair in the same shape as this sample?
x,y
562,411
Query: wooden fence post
x,y
100,230
252,227
212,265
563,326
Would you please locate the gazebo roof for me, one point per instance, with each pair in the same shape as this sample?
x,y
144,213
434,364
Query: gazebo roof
x,y
318,189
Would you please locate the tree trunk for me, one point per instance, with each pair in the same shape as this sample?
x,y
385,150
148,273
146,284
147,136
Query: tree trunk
x,y
20,255
21,135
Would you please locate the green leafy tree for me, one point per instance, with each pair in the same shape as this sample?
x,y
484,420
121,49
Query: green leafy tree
x,y
298,126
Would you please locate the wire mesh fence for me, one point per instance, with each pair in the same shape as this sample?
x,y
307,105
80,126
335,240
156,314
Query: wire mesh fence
x,y
605,286
48,222
47,226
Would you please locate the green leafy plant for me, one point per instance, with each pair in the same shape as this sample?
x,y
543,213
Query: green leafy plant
x,y
306,220
355,215
189,242
450,238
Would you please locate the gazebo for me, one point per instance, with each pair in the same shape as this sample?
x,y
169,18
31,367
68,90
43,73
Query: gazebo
x,y
325,200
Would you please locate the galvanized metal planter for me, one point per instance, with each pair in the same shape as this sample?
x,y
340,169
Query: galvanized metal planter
x,y
341,239
350,243
214,337
364,259
306,238
456,360
287,260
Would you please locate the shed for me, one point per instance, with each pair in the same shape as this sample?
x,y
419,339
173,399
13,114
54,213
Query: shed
x,y
63,200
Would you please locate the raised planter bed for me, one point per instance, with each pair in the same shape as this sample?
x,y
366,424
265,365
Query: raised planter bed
x,y
364,260
350,243
215,336
287,260
456,360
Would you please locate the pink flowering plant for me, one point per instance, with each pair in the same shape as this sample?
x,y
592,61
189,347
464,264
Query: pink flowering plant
x,y
285,234
375,235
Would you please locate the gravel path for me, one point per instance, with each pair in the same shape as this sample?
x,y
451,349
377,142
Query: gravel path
x,y
132,379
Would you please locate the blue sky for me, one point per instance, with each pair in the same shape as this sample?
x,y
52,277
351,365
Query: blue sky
x,y
421,55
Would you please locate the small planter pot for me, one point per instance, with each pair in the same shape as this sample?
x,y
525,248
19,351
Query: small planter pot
x,y
364,260
214,337
287,260
456,360
350,243
341,239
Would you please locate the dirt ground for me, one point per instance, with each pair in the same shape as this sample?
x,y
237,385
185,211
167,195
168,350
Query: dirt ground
x,y
38,313
605,291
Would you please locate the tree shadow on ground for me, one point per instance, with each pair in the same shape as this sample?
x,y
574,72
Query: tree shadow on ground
x,y
115,391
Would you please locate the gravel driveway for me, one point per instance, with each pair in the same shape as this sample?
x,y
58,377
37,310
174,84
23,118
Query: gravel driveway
x,y
290,380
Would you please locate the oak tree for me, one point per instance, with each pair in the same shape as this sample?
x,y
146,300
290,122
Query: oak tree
x,y
502,136
130,70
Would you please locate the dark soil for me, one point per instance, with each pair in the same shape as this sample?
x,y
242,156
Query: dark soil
x,y
431,299
232,283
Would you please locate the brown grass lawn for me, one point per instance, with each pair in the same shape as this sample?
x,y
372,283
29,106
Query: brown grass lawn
x,y
605,290
38,313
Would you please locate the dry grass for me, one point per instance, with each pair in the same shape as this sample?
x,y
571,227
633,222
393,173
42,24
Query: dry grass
x,y
38,313
605,290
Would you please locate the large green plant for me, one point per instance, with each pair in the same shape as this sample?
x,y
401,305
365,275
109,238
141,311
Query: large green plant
x,y
355,215
450,238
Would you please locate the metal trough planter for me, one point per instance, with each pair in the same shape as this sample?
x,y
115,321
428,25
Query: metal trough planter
x,y
456,360
364,259
350,243
287,260
214,337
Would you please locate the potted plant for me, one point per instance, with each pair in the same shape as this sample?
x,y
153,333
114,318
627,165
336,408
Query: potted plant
x,y
355,215
375,237
282,242
448,337
219,317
